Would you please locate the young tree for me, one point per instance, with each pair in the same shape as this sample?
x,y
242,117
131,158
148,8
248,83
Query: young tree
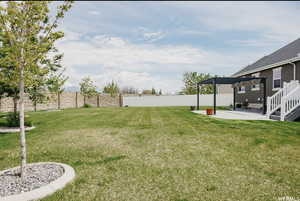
x,y
87,88
153,92
160,92
37,91
8,85
9,91
147,91
111,88
30,31
129,90
191,79
55,85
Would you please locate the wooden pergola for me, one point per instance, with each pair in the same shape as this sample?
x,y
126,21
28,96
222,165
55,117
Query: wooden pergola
x,y
235,82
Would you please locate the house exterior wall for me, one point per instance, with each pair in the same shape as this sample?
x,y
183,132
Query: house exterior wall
x,y
224,89
287,74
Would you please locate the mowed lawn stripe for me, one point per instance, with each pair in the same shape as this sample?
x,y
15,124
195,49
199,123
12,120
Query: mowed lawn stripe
x,y
163,153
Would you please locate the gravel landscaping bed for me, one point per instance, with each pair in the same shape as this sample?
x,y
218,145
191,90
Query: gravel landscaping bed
x,y
38,175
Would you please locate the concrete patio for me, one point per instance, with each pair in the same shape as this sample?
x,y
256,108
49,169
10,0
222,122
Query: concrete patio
x,y
238,115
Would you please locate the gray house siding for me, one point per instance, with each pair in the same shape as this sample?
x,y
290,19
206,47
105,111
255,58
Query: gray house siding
x,y
287,74
298,71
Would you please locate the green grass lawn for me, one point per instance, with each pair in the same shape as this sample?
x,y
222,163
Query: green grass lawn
x,y
163,154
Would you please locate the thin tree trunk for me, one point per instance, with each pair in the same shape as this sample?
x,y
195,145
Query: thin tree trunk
x,y
34,103
22,128
15,100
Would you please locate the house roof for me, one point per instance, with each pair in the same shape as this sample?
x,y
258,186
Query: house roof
x,y
282,56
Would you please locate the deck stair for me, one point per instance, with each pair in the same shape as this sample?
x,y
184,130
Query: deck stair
x,y
284,105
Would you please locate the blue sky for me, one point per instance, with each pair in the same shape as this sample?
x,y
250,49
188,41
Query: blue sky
x,y
151,44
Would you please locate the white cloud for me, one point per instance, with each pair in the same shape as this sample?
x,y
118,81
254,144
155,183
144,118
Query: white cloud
x,y
70,36
147,35
94,12
154,36
262,43
106,58
128,47
272,20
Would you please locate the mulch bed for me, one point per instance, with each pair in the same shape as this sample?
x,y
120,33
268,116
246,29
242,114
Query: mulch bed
x,y
37,175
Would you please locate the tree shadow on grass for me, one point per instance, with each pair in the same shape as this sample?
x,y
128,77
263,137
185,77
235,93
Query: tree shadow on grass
x,y
100,162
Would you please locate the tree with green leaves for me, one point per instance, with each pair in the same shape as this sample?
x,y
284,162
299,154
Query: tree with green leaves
x,y
7,90
30,34
129,90
36,91
160,92
8,86
191,79
87,88
111,88
55,84
147,91
153,92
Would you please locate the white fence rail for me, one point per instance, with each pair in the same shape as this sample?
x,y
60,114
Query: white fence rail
x,y
177,100
290,102
274,102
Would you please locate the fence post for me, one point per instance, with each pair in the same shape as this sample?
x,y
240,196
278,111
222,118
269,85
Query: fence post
x,y
58,100
76,99
120,100
98,100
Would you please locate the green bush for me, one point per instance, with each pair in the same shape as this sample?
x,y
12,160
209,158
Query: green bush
x,y
87,106
13,120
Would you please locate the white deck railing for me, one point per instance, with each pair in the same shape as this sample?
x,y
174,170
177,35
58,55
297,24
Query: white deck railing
x,y
274,102
290,102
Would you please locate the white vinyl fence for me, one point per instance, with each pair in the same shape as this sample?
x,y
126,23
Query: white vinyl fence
x,y
177,100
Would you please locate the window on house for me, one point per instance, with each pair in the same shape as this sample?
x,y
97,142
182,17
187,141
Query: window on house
x,y
276,78
255,87
241,89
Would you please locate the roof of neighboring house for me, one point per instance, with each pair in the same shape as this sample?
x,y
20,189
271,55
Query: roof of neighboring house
x,y
284,54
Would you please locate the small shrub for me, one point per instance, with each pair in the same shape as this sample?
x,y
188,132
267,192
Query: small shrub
x,y
87,106
238,105
13,120
193,108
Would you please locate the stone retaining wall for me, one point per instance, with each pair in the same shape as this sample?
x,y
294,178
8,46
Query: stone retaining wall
x,y
66,100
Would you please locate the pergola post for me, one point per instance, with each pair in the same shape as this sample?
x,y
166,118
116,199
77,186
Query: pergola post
x,y
198,91
234,97
215,95
264,96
